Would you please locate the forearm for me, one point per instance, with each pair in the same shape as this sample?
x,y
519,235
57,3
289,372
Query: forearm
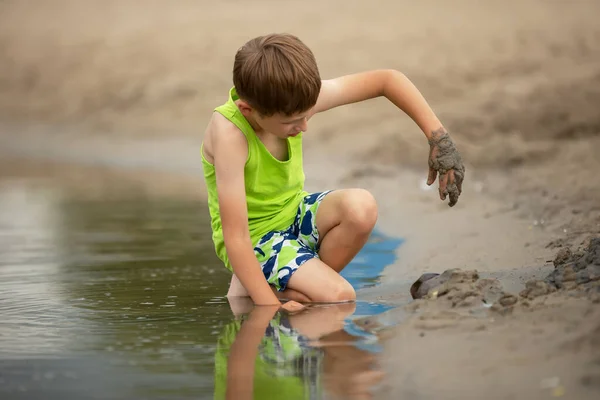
x,y
247,269
404,95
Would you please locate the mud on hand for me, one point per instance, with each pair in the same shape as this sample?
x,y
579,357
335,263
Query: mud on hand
x,y
445,160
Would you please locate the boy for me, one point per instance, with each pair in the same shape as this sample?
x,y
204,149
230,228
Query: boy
x,y
278,240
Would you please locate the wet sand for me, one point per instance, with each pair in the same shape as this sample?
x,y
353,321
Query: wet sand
x,y
517,84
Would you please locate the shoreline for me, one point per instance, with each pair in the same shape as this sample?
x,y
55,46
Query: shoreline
x,y
98,92
498,241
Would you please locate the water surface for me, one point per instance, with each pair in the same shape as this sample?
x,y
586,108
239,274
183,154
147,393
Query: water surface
x,y
123,299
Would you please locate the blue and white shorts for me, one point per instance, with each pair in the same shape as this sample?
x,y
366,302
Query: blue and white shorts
x,y
281,253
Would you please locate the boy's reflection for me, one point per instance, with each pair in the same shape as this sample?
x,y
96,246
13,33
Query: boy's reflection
x,y
268,354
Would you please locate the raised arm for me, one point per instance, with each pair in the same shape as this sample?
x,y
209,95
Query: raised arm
x,y
230,151
397,88
392,84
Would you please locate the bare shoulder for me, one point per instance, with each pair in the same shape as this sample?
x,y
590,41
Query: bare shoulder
x,y
222,133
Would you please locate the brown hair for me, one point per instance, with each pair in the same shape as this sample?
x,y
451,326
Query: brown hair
x,y
277,73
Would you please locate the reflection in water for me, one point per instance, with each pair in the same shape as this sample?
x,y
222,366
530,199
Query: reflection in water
x,y
268,354
364,271
123,299
318,353
108,299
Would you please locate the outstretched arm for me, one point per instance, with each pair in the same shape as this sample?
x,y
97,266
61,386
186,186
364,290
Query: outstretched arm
x,y
392,84
230,152
396,87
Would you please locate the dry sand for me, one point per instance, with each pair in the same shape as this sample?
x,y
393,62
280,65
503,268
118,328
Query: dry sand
x,y
116,88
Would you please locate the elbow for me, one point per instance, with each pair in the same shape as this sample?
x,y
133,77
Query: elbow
x,y
235,234
391,78
394,74
235,241
238,247
236,238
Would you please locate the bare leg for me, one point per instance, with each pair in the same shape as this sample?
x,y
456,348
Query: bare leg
x,y
345,219
320,283
236,289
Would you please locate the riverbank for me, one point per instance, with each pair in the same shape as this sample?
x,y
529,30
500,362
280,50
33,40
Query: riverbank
x,y
93,93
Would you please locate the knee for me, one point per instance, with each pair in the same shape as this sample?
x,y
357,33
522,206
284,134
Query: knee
x,y
341,292
344,292
360,209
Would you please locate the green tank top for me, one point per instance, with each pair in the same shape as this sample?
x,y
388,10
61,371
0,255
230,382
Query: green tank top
x,y
274,189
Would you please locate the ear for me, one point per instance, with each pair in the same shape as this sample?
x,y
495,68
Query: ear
x,y
245,108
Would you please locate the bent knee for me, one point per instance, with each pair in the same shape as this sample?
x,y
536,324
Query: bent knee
x,y
348,294
342,292
361,211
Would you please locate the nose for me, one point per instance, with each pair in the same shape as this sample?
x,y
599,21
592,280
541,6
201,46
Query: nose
x,y
303,125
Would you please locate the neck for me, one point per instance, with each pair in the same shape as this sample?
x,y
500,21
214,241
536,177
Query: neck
x,y
257,128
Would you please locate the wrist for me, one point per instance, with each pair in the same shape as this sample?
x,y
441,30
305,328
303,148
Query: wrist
x,y
435,133
266,300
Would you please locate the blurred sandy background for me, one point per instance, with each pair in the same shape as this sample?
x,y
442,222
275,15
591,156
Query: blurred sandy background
x,y
517,83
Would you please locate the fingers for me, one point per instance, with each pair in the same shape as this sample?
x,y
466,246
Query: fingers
x,y
451,177
452,188
449,186
459,180
445,161
453,193
443,186
432,165
432,176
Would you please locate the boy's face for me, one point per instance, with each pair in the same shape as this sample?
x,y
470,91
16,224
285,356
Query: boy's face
x,y
283,126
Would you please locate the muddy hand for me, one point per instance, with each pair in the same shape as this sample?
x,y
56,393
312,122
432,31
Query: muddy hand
x,y
445,160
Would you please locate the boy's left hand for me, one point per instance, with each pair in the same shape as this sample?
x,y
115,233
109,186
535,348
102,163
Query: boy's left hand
x,y
445,159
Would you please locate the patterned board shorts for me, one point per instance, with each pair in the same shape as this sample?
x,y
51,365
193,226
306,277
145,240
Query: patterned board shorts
x,y
281,253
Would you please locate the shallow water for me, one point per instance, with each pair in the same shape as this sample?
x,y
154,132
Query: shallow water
x,y
123,299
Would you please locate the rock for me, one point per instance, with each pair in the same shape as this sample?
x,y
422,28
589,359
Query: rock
x,y
535,289
593,272
572,269
430,283
457,289
562,256
508,300
418,290
500,309
569,274
469,301
583,276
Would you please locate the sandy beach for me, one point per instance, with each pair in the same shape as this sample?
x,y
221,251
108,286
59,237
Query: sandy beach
x,y
93,90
